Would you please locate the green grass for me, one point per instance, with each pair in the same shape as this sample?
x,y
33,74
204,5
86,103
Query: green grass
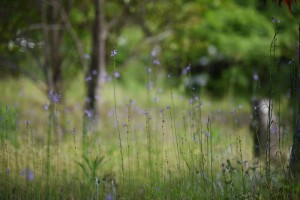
x,y
171,148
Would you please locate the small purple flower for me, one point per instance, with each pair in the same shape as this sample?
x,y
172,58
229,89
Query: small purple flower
x,y
255,77
53,96
149,85
156,62
46,106
88,113
94,72
207,134
28,122
186,70
153,53
89,78
273,130
109,196
196,98
116,75
28,174
113,53
191,101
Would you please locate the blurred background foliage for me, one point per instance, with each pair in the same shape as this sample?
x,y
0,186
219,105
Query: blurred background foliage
x,y
226,43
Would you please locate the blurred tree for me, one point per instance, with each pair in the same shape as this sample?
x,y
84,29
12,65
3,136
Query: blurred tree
x,y
96,73
53,35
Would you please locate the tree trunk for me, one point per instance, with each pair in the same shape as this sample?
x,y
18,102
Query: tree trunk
x,y
294,165
52,44
53,36
96,74
56,36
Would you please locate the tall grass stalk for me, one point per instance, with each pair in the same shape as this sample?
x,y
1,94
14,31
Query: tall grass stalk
x,y
128,129
164,152
48,154
172,111
116,118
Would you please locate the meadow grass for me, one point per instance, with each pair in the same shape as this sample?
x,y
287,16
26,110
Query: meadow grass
x,y
163,145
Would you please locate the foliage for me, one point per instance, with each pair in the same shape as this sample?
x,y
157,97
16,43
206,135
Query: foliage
x,y
286,2
212,36
90,166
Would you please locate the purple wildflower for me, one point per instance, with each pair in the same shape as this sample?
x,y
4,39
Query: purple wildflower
x,y
255,77
109,196
156,62
88,113
153,53
89,78
207,134
186,70
46,106
28,174
113,53
191,101
53,96
149,85
273,130
116,75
